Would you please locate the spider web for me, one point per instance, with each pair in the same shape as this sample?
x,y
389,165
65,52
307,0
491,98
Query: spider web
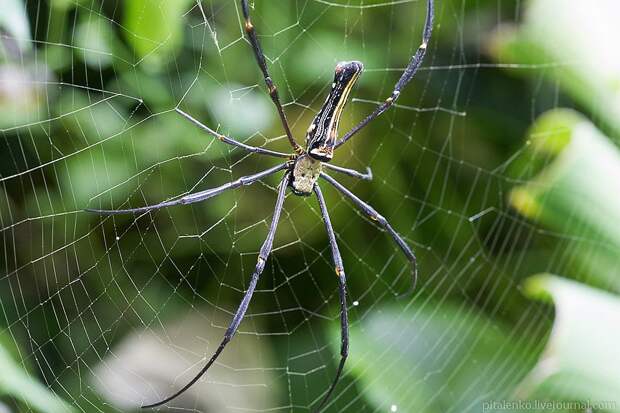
x,y
113,312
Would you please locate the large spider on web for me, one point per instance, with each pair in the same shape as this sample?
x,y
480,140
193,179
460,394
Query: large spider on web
x,y
303,169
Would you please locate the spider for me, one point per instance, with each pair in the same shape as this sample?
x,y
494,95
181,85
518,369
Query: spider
x,y
303,169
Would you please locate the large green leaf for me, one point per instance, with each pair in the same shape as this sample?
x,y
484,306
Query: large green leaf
x,y
436,358
576,194
582,357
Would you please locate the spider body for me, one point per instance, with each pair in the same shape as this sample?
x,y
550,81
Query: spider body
x,y
323,131
304,169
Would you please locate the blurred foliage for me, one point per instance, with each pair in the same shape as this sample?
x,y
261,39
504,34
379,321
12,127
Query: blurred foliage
x,y
14,22
462,351
15,381
564,189
154,29
572,39
580,361
87,92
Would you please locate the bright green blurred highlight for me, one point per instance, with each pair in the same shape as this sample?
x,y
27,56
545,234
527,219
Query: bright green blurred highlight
x,y
155,29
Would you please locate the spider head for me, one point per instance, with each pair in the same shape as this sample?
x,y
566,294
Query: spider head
x,y
323,131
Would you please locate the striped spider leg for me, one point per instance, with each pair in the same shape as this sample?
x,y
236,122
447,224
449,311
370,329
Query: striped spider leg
x,y
382,222
230,141
195,197
342,294
410,71
339,267
262,64
265,250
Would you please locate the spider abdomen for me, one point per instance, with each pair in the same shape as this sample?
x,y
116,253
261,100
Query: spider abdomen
x,y
323,131
305,173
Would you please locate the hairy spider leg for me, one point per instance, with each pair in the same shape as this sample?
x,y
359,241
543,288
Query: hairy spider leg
x,y
230,141
262,64
265,250
342,292
382,222
410,71
196,197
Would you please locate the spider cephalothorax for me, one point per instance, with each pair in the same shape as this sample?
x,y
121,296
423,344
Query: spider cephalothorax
x,y
306,171
302,171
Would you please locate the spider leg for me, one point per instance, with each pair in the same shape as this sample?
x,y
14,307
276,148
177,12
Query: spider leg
x,y
342,291
410,71
262,64
381,221
229,140
365,176
196,197
265,250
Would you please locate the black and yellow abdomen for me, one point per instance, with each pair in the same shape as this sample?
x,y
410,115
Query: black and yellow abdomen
x,y
323,130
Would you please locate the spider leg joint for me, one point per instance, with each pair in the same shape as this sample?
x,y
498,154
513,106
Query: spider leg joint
x,y
270,86
393,97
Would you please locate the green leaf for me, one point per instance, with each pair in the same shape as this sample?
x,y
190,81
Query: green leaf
x,y
572,37
576,194
155,29
581,360
435,358
17,383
